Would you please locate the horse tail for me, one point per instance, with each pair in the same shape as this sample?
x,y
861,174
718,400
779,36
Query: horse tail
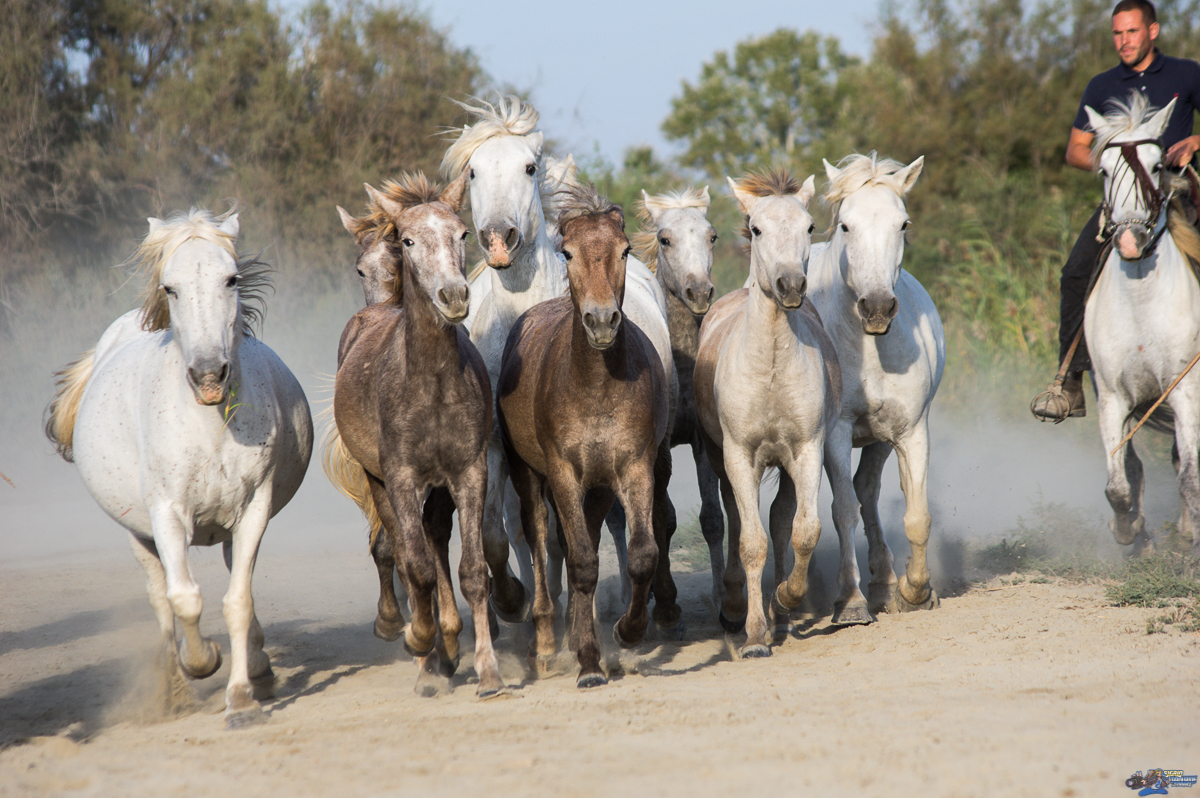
x,y
64,407
1161,420
347,475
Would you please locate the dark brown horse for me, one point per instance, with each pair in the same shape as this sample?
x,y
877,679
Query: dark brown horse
x,y
413,408
583,414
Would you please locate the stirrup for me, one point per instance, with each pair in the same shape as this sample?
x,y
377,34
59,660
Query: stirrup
x,y
1054,405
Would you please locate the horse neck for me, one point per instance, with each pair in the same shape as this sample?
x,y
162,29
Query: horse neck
x,y
427,338
535,275
682,324
766,323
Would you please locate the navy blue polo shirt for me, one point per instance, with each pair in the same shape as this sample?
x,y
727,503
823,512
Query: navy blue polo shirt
x,y
1166,77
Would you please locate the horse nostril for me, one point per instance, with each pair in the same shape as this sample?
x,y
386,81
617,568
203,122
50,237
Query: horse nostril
x,y
709,294
614,319
895,307
441,295
224,375
691,296
510,238
589,321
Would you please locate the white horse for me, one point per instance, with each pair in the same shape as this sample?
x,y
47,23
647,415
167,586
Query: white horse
x,y
892,352
1142,319
188,431
767,391
510,187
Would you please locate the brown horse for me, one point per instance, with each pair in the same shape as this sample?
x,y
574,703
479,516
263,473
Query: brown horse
x,y
583,414
413,407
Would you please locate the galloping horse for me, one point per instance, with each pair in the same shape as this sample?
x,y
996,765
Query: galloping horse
x,y
583,413
1142,319
188,431
413,406
892,351
767,391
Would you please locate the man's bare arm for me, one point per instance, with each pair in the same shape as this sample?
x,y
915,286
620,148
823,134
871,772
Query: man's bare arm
x,y
1079,149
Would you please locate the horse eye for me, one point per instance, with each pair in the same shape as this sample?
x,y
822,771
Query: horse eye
x,y
360,273
666,242
531,169
471,175
408,242
625,254
713,240
169,291
466,233
566,254
232,282
845,229
811,227
755,231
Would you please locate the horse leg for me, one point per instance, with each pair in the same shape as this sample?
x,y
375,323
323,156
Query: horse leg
x,y
420,574
913,590
638,492
1125,477
508,592
744,479
597,504
850,607
615,521
731,612
439,521
531,490
1186,453
469,495
881,591
780,521
198,656
668,616
712,521
241,708
389,619
175,695
258,663
582,571
804,473
555,556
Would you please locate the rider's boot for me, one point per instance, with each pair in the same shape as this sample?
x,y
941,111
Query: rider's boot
x,y
1061,400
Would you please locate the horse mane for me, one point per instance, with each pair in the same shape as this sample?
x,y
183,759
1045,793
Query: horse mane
x,y
582,199
1125,117
858,171
156,249
645,240
508,117
1186,237
774,182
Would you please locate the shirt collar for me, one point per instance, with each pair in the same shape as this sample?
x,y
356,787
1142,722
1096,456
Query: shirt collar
x,y
1155,66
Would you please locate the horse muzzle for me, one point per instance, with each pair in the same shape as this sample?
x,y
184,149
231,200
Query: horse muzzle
x,y
789,291
1131,240
877,313
453,302
209,387
601,325
502,244
698,297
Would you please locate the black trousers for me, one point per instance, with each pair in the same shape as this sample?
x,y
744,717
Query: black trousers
x,y
1073,288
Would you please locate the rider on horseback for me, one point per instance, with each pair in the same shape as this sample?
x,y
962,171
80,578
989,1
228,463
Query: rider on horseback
x,y
1161,78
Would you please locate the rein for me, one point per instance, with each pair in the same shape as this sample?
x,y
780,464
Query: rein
x,y
1151,197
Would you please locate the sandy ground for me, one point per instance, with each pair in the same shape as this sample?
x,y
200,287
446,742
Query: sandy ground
x,y
1036,689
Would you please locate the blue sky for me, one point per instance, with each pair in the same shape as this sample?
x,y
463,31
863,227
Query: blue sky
x,y
603,74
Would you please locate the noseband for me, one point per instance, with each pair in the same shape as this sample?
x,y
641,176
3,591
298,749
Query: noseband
x,y
1148,196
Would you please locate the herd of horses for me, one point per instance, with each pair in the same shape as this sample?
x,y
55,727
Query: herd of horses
x,y
541,397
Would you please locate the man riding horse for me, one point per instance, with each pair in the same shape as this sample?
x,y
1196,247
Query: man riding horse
x,y
1160,77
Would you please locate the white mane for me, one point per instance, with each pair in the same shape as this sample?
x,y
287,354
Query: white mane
x,y
858,171
687,198
1125,117
508,117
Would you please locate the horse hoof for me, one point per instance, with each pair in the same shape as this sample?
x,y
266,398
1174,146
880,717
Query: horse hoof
x,y
620,641
730,626
755,652
880,597
520,615
413,651
244,718
674,633
202,672
904,605
589,680
851,615
263,685
387,630
492,692
542,665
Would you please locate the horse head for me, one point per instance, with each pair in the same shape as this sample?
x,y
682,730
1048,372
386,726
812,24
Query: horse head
x,y
501,155
870,222
779,228
431,241
596,249
377,259
680,245
1128,151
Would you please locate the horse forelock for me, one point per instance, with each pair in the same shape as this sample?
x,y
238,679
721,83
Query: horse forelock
x,y
1125,117
155,251
645,240
580,200
858,171
774,182
510,116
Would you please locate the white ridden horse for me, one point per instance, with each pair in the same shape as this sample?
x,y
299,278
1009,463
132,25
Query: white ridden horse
x,y
189,432
767,390
1142,319
892,351
509,188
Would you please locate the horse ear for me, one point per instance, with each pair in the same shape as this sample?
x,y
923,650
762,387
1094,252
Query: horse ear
x,y
909,174
831,171
704,198
230,226
651,207
805,194
390,207
456,192
1095,120
618,216
347,220
745,199
154,223
1158,122
535,140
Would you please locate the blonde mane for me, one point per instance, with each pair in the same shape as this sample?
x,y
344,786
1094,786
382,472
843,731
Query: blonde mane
x,y
775,182
859,171
156,249
582,199
645,240
1125,117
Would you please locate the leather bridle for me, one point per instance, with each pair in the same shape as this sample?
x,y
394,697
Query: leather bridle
x,y
1147,196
